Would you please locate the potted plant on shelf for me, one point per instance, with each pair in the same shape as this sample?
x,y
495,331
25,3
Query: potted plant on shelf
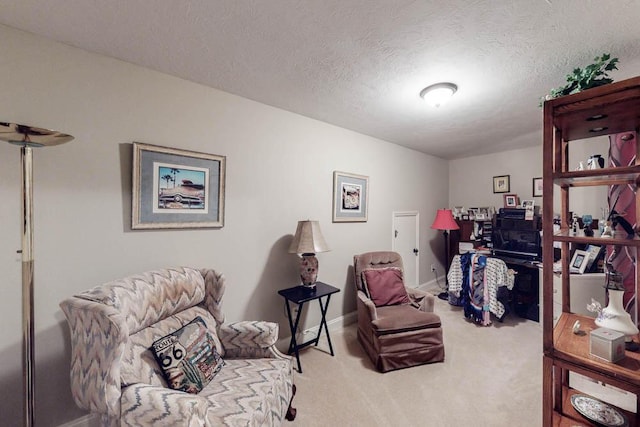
x,y
592,75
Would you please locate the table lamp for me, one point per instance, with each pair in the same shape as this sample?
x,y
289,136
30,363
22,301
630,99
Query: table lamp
x,y
444,221
307,242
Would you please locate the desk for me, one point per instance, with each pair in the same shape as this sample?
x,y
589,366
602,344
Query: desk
x,y
300,295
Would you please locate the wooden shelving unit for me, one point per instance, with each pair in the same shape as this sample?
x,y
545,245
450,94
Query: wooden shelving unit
x,y
601,111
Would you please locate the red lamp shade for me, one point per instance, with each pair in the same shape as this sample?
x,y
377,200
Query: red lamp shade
x,y
444,220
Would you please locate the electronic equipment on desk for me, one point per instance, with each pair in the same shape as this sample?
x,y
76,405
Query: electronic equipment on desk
x,y
515,239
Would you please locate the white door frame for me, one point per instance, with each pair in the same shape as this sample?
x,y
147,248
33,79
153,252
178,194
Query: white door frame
x,y
416,215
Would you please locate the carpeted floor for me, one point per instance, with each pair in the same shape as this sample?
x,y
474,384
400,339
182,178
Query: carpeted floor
x,y
491,376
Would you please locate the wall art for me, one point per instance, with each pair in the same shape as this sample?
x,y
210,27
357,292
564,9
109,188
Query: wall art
x,y
175,188
350,197
501,184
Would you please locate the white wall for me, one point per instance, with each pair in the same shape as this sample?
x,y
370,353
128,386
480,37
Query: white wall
x,y
279,171
471,178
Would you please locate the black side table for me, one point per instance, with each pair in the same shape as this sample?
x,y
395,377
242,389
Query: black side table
x,y
300,295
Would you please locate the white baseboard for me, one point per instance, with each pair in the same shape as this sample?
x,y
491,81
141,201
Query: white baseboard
x,y
334,325
434,286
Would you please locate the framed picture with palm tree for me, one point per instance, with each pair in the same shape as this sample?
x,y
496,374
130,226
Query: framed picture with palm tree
x,y
175,188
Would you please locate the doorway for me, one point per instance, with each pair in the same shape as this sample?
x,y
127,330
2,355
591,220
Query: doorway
x,y
405,239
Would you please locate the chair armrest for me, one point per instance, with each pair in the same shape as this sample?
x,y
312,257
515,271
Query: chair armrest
x,y
98,337
366,307
145,404
249,339
424,301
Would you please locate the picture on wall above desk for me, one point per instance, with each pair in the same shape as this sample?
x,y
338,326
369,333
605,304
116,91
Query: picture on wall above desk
x,y
537,187
350,197
175,188
501,184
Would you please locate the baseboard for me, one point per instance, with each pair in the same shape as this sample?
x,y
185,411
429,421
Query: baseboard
x,y
88,420
334,325
433,286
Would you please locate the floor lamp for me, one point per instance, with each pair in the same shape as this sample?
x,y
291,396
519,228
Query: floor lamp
x,y
27,138
444,221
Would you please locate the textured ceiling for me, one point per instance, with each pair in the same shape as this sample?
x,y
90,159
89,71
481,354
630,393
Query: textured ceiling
x,y
360,64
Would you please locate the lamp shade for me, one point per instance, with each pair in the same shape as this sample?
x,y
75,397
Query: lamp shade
x,y
444,220
308,239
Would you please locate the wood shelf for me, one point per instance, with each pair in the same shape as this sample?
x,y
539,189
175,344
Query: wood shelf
x,y
620,238
574,348
613,107
569,417
606,110
597,177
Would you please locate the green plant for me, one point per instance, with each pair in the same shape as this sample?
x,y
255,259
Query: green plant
x,y
592,75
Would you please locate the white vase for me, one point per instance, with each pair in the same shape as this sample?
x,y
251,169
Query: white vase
x,y
613,316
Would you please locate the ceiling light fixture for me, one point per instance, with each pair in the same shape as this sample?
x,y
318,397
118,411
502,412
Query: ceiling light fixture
x,y
437,94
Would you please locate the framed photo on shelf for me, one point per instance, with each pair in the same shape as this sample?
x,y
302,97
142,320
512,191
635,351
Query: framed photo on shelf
x,y
501,184
579,261
458,211
350,197
537,187
594,252
510,200
175,188
472,213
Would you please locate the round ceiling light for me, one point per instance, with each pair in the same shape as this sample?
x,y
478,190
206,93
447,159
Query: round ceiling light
x,y
438,93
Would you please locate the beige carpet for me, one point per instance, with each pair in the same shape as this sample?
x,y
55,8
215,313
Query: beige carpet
x,y
491,376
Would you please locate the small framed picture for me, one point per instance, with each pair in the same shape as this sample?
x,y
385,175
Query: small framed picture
x,y
579,261
457,212
594,252
528,205
510,200
537,187
350,197
501,184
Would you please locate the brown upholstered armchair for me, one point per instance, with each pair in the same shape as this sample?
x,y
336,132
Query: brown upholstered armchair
x,y
396,325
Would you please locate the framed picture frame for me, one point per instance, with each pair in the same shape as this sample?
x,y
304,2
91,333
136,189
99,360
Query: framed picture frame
x,y
458,211
579,261
350,197
527,204
594,252
537,187
174,188
510,200
501,184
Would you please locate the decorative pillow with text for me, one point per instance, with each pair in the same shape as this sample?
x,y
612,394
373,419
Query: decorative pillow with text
x,y
385,286
188,357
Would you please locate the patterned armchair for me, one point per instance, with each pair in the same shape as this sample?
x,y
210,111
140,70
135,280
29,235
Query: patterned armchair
x,y
115,374
396,325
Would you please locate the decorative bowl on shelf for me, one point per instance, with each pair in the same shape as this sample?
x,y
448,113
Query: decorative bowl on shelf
x,y
598,411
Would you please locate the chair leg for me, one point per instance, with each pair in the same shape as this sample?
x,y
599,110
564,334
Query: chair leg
x,y
291,411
